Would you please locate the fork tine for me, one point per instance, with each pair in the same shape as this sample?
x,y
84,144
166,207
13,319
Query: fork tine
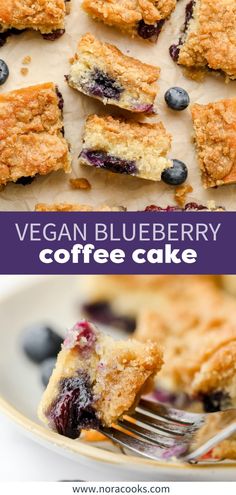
x,y
159,439
170,413
166,426
139,446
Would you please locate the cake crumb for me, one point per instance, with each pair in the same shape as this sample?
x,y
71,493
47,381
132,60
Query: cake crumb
x,y
80,183
24,71
181,193
26,60
197,74
93,436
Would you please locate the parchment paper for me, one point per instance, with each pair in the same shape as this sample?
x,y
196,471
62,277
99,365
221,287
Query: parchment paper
x,y
50,62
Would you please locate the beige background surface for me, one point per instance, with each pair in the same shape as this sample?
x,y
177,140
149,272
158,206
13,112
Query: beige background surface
x,y
50,62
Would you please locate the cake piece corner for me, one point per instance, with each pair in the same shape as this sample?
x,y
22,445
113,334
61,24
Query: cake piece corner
x,y
31,133
126,147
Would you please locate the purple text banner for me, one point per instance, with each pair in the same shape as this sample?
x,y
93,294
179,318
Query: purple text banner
x,y
118,243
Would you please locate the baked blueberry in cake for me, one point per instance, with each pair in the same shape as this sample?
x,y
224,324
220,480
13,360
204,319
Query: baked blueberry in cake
x,y
75,207
31,133
215,138
188,207
102,71
96,380
135,17
208,38
46,16
126,147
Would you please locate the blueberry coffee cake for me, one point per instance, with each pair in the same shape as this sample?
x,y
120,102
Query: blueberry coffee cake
x,y
96,380
198,334
135,17
126,147
46,16
75,207
208,39
116,299
102,71
229,283
199,370
31,133
215,137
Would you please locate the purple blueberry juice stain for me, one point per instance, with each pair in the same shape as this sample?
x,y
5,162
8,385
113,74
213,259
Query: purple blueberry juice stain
x,y
60,99
216,401
102,85
159,208
54,35
174,51
73,409
176,451
188,207
3,38
25,181
194,206
175,48
101,159
177,400
10,32
101,312
149,31
144,107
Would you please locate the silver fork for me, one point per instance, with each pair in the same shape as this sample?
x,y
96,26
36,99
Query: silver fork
x,y
163,433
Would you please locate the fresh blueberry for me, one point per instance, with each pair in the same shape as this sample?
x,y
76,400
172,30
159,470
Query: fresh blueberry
x,y
40,342
177,98
4,72
46,369
175,175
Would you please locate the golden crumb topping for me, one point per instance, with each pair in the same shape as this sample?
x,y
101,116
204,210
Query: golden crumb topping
x,y
31,138
215,135
126,14
211,37
43,15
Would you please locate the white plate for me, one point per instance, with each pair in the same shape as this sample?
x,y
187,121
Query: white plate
x,y
56,300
